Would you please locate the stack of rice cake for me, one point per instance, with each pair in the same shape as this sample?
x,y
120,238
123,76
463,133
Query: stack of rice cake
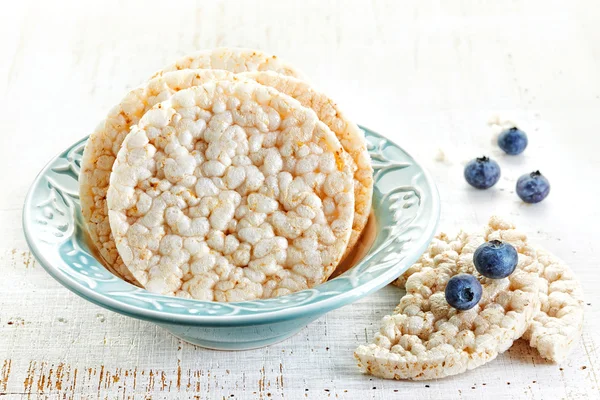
x,y
226,177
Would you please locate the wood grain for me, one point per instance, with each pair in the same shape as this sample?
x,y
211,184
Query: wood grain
x,y
428,74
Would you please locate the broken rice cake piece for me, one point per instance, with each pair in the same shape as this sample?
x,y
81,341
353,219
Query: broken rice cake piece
x,y
425,338
555,329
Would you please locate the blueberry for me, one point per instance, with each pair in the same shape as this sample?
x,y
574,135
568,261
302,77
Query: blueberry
x,y
513,141
495,259
533,187
463,291
482,173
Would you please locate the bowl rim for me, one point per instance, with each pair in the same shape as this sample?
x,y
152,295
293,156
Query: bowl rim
x,y
315,308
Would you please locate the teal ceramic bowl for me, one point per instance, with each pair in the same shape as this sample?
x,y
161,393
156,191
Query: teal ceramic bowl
x,y
406,209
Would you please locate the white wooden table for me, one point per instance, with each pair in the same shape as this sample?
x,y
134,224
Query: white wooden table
x,y
428,74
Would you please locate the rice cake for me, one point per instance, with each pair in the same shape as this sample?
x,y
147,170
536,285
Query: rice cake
x,y
104,143
348,133
231,191
234,60
426,338
556,328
